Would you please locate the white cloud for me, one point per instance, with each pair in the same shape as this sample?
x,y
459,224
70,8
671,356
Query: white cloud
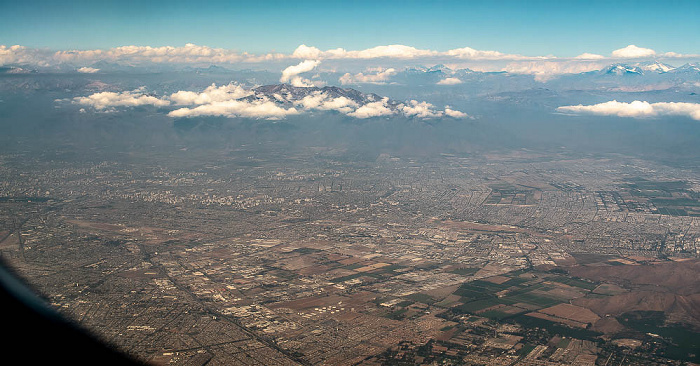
x,y
291,73
190,53
679,55
637,109
196,54
237,108
633,51
308,52
374,109
88,70
301,82
232,100
341,104
449,81
360,78
454,113
302,67
9,54
109,100
470,53
323,101
398,51
22,55
589,56
674,55
391,51
204,55
419,109
210,94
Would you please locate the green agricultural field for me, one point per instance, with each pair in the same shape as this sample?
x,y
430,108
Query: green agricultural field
x,y
495,314
555,328
464,271
474,306
529,298
418,297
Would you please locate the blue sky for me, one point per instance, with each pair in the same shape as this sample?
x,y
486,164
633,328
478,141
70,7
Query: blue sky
x,y
560,28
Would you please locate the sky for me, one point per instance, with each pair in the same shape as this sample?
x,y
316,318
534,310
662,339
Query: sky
x,y
359,42
532,28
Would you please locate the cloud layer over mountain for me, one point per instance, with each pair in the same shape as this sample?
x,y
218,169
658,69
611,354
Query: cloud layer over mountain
x,y
371,57
291,73
109,100
269,102
636,109
211,94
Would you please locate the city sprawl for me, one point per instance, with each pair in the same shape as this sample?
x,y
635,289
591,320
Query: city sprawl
x,y
264,255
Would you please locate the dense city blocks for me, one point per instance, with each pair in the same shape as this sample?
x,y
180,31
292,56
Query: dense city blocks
x,y
257,255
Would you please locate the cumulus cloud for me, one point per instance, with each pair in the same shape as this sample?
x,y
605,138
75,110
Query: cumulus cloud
x,y
401,52
679,55
322,101
301,82
88,70
210,95
8,54
237,108
109,100
308,52
374,109
393,51
413,109
454,113
449,81
272,102
381,76
291,73
637,109
420,109
589,56
633,51
280,107
426,110
22,55
304,66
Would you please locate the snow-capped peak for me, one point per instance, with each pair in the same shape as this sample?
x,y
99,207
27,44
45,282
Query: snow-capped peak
x,y
655,66
436,68
694,67
622,69
440,67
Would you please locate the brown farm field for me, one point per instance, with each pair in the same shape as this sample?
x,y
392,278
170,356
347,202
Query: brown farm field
x,y
672,287
571,312
678,277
